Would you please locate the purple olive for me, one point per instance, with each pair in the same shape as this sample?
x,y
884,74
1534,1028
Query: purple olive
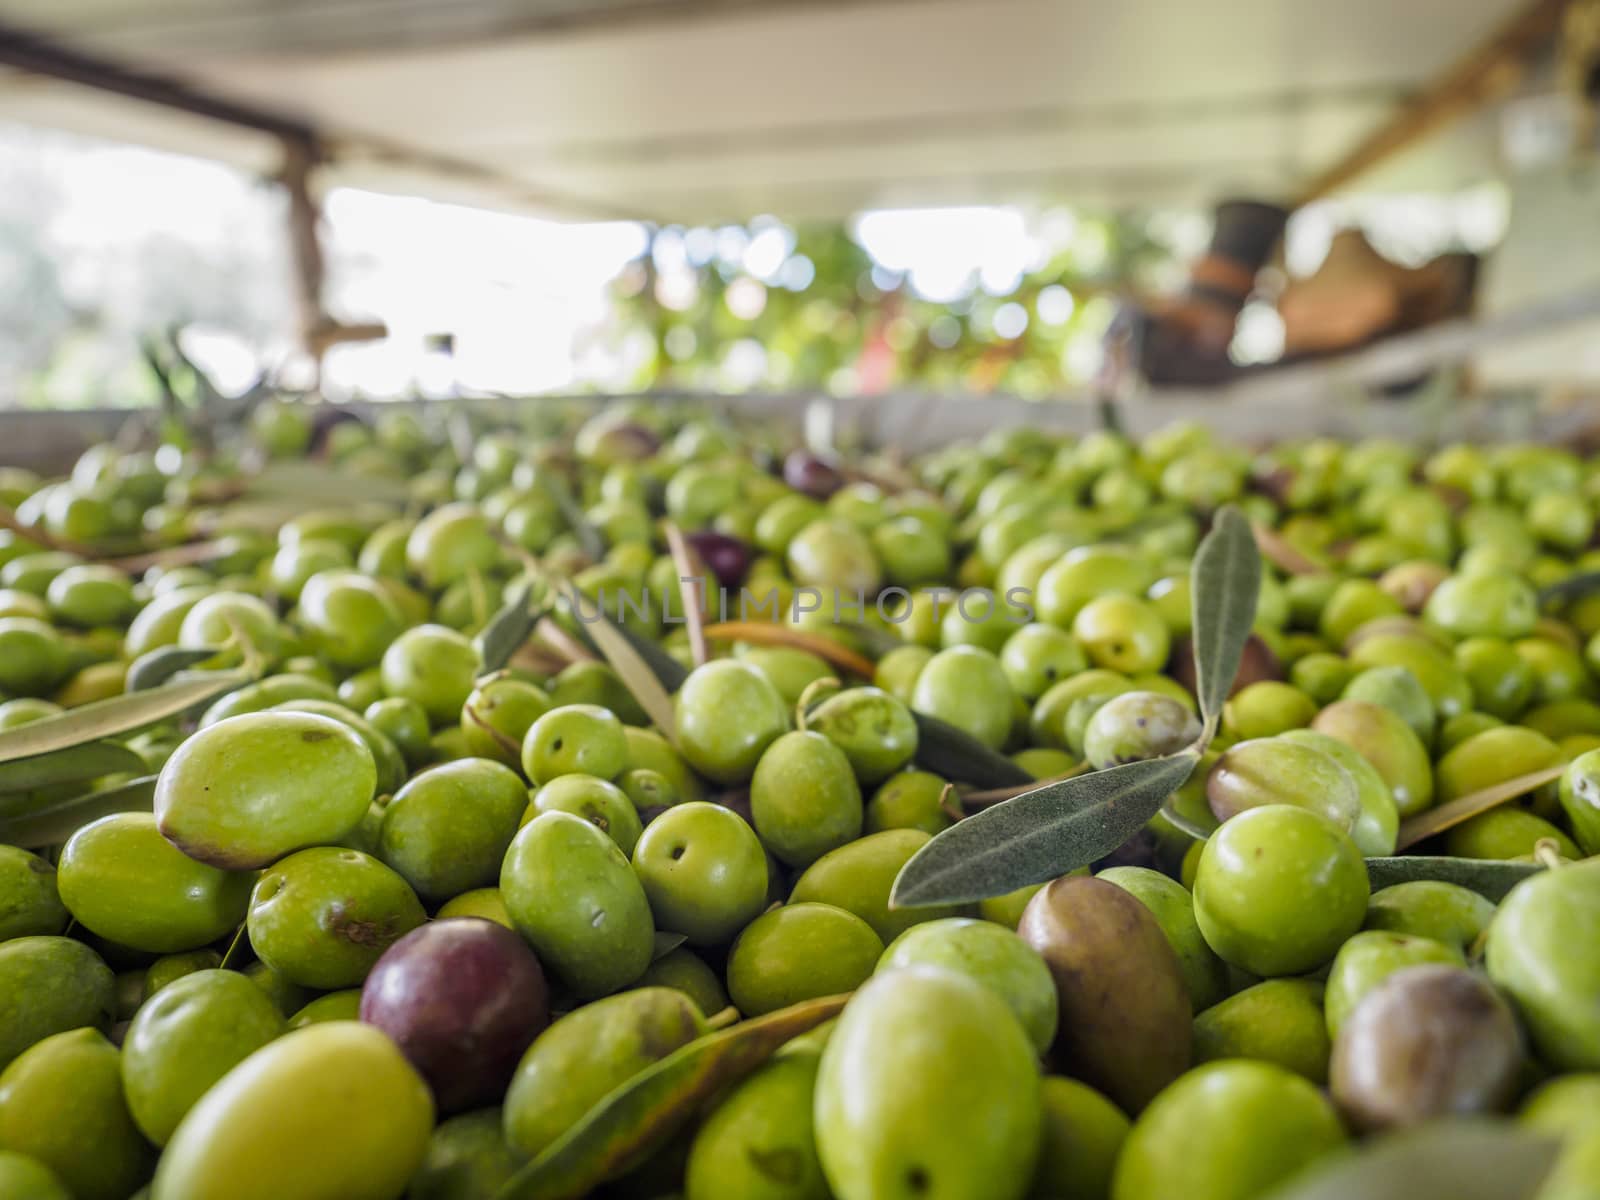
x,y
725,557
1258,662
651,811
633,443
462,998
739,801
812,474
326,417
604,440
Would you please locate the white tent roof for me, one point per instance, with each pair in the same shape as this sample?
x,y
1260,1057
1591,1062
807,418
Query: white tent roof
x,y
707,109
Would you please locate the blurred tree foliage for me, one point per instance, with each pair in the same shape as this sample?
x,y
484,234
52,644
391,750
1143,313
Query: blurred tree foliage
x,y
829,317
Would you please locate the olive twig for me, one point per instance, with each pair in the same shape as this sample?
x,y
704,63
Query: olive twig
x,y
495,735
691,574
1547,854
808,698
1282,554
996,795
233,947
766,634
950,802
725,1019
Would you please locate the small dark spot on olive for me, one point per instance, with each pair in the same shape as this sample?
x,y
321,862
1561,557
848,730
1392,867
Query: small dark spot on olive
x,y
315,735
917,1180
556,746
677,852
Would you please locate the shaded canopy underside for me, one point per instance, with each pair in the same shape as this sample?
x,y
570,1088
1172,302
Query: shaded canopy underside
x,y
703,110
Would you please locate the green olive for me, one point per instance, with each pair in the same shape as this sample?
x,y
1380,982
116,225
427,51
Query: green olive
x,y
121,879
1279,889
322,917
246,791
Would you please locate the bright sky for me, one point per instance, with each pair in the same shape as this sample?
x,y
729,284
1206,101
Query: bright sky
x,y
517,292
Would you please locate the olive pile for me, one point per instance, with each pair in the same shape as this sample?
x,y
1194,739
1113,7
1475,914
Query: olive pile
x,y
391,921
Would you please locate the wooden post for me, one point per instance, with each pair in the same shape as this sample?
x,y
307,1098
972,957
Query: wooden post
x,y
1490,71
299,157
319,331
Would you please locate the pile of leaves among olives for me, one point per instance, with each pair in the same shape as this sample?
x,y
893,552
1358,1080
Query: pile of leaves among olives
x,y
620,803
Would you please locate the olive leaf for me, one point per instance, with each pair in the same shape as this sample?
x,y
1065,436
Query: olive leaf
x,y
160,665
765,633
669,672
1040,835
875,641
642,1114
1490,878
665,944
1574,587
594,545
185,554
636,674
128,713
53,826
311,484
513,625
71,765
1225,585
1463,808
953,753
1447,1160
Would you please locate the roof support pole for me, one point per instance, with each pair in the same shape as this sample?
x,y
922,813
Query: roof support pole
x,y
1487,73
319,331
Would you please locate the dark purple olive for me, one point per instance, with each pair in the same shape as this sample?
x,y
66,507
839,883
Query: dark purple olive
x,y
633,443
323,421
462,998
651,811
1143,849
739,801
604,440
1257,662
725,557
812,474
1429,1042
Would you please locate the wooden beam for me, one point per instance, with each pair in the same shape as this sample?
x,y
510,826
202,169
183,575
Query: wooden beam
x,y
379,27
41,56
48,58
1489,72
